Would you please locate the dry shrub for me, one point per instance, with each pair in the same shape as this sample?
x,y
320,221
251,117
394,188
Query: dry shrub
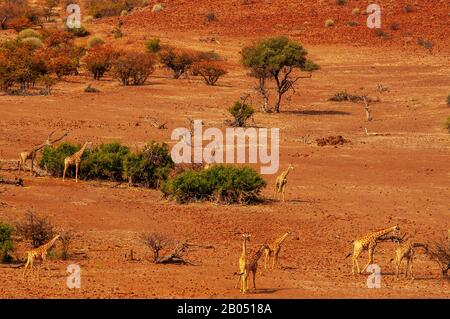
x,y
100,60
37,229
156,242
133,68
211,71
177,60
66,240
439,251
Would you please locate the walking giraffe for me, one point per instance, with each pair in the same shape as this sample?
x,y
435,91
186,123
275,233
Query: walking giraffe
x,y
273,249
368,242
280,186
39,253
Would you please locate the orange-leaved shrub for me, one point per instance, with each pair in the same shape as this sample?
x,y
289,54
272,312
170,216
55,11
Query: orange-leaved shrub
x,y
133,68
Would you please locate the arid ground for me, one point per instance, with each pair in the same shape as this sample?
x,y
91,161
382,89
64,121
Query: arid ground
x,y
398,174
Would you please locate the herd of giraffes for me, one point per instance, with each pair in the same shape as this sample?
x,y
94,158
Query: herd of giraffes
x,y
270,249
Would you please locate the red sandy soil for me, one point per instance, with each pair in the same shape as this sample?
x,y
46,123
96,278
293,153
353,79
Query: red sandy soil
x,y
334,195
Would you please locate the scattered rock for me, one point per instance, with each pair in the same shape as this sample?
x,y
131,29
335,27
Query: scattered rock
x,y
331,140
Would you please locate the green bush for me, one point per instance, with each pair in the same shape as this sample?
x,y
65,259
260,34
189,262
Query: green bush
x,y
95,42
223,183
241,113
6,243
53,158
33,42
28,33
104,162
79,32
153,45
447,124
150,166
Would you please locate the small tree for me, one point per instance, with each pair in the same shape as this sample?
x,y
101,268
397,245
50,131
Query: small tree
x,y
6,243
153,45
100,60
177,60
279,58
133,68
156,243
241,113
211,71
37,229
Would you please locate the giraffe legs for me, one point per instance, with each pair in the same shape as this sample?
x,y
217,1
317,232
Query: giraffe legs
x,y
26,265
254,279
370,261
65,170
266,257
356,252
77,165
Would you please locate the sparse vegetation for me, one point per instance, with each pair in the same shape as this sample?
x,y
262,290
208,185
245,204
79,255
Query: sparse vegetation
x,y
356,11
133,68
17,15
222,183
447,124
28,33
79,32
427,44
95,42
37,229
341,2
448,100
105,8
329,23
211,16
408,8
153,45
66,240
241,112
352,24
6,243
394,26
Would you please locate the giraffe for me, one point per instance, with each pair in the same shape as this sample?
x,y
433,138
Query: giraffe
x,y
273,249
75,159
243,258
39,252
368,242
281,182
252,267
407,250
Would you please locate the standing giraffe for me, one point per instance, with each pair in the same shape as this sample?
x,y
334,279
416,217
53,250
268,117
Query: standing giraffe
x,y
243,258
281,182
407,250
273,249
39,252
74,159
251,267
368,242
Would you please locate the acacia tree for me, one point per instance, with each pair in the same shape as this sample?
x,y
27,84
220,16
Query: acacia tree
x,y
277,58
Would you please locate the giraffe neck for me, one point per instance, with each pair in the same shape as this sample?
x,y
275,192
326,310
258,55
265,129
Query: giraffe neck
x,y
81,151
282,238
50,243
383,232
286,173
244,246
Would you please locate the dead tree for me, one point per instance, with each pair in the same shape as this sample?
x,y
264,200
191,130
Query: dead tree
x,y
15,182
367,110
159,126
24,156
440,252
